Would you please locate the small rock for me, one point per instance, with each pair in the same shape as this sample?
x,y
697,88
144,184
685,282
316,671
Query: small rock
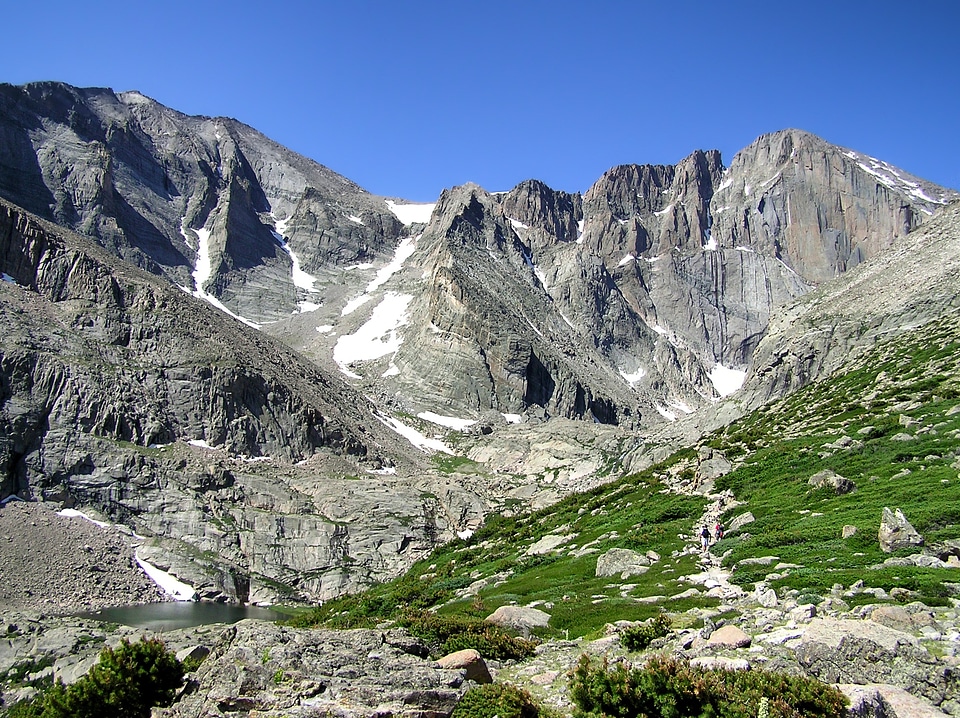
x,y
848,531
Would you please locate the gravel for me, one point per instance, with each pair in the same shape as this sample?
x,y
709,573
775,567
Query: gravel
x,y
56,564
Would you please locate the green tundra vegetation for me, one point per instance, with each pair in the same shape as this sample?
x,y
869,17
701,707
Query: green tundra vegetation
x,y
890,423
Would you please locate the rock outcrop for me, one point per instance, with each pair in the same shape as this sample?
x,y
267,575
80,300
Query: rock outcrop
x,y
896,532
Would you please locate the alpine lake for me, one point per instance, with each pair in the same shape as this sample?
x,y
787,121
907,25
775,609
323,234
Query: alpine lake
x,y
172,615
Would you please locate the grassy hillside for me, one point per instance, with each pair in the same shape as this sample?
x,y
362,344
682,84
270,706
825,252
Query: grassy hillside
x,y
891,425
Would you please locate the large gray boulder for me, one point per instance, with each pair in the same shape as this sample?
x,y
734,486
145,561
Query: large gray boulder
x,y
896,532
851,651
622,562
520,618
263,667
832,481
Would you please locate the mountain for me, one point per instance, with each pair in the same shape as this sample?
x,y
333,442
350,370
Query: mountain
x,y
636,303
122,394
250,359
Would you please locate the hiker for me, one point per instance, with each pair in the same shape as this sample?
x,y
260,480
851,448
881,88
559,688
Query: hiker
x,y
705,539
717,532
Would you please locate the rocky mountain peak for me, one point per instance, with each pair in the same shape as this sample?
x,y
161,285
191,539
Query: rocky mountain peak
x,y
553,215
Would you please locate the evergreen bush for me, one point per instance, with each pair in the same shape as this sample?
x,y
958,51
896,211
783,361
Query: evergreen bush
x,y
499,700
126,682
668,688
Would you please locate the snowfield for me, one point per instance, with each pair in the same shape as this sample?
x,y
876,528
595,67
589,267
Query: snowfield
x,y
377,338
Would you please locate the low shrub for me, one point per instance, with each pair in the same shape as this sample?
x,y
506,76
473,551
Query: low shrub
x,y
446,634
637,638
499,700
666,688
125,683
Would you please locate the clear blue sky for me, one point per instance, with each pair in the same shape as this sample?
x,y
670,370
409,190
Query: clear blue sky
x,y
407,98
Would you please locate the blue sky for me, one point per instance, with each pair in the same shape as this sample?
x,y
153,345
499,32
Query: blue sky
x,y
407,98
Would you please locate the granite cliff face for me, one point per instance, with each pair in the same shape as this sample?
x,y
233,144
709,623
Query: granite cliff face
x,y
249,467
208,202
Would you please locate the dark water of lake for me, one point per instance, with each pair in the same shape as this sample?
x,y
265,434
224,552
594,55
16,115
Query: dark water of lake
x,y
180,614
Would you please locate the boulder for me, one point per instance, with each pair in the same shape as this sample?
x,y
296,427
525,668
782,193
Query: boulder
x,y
714,468
833,481
622,562
471,662
354,674
741,520
896,532
848,531
878,700
547,544
850,651
520,618
730,637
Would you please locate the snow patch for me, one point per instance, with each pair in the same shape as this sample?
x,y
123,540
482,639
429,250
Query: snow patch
x,y
7,278
74,514
666,414
635,376
355,218
199,443
741,248
726,183
517,224
726,381
400,255
411,213
711,244
680,406
378,337
325,328
465,534
355,304
417,439
512,418
451,422
173,587
665,210
626,260
385,471
392,370
203,268
580,232
301,280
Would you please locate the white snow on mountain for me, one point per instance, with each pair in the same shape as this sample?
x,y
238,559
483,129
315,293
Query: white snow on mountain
x,y
726,381
301,279
378,337
203,268
413,436
411,213
451,422
173,587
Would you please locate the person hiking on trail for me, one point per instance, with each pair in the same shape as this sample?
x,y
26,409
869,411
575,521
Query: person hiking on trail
x,y
705,539
717,532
